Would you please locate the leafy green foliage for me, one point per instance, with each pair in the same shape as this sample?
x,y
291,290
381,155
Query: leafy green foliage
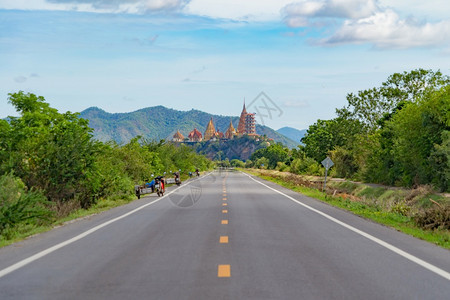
x,y
395,134
325,135
274,154
306,165
17,205
369,106
50,151
237,163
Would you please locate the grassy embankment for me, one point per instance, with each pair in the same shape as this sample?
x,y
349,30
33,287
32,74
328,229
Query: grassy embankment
x,y
419,212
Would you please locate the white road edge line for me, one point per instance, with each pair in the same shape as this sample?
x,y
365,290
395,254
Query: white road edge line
x,y
394,249
43,253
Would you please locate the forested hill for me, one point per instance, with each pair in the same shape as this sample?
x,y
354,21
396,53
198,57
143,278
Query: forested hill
x,y
292,133
160,122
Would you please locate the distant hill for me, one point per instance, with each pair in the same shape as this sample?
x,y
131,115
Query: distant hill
x,y
159,122
292,133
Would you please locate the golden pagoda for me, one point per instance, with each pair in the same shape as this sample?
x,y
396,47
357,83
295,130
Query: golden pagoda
x,y
210,131
231,132
178,137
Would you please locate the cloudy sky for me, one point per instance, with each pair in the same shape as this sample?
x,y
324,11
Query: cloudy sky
x,y
123,55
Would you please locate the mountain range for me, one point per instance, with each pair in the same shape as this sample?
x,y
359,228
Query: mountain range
x,y
159,122
292,133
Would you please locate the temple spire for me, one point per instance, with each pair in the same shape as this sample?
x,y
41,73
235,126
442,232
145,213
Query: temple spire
x,y
231,132
241,126
210,131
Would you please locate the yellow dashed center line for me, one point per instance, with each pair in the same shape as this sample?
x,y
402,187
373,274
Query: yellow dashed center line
x,y
224,239
223,271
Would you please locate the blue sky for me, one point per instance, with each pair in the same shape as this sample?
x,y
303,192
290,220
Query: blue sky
x,y
123,55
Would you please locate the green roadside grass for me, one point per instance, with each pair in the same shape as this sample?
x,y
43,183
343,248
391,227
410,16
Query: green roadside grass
x,y
24,231
394,220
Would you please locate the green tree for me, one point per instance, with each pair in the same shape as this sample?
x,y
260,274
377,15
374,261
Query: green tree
x,y
237,163
51,151
369,106
325,135
274,153
419,133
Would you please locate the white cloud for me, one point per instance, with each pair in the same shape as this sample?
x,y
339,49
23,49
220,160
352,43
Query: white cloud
x,y
367,21
99,6
296,14
386,30
259,10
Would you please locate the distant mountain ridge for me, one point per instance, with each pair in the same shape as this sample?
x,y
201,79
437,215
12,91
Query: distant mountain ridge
x,y
160,122
293,133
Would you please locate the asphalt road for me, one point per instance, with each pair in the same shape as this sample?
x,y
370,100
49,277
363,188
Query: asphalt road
x,y
224,236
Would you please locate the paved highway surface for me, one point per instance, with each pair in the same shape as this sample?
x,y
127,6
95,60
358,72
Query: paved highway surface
x,y
224,236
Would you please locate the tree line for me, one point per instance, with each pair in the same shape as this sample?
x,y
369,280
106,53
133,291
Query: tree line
x,y
50,164
396,134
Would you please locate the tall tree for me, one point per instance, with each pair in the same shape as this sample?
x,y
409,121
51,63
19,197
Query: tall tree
x,y
369,106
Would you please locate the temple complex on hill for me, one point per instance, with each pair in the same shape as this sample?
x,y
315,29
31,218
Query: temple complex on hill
x,y
247,126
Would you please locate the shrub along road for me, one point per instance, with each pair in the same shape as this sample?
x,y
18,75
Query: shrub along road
x,y
226,236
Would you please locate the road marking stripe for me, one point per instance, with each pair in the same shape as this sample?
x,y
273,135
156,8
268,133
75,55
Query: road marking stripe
x,y
394,249
224,198
224,211
223,239
224,271
224,204
224,222
43,253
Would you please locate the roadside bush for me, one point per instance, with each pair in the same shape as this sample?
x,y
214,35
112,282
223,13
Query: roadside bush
x,y
261,163
237,163
306,166
248,163
17,205
435,217
344,163
282,167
